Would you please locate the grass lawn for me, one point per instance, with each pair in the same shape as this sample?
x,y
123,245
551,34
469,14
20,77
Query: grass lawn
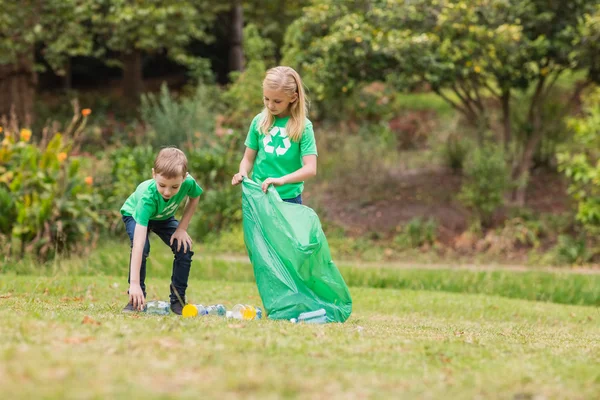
x,y
64,337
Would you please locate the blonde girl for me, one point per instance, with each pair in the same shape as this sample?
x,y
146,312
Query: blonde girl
x,y
280,146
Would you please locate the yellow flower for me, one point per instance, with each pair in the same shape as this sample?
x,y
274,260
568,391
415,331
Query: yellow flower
x,y
89,180
544,71
477,69
344,89
61,157
86,111
358,39
25,135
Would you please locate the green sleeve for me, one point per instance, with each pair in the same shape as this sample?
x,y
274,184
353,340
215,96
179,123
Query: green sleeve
x,y
144,210
308,145
195,190
252,138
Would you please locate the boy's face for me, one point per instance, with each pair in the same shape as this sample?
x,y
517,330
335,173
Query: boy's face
x,y
167,187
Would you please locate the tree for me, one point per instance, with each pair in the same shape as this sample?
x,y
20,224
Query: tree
x,y
56,27
468,52
132,28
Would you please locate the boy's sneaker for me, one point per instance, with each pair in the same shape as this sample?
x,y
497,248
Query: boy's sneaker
x,y
176,307
129,308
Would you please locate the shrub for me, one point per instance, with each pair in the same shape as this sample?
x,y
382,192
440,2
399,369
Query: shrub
x,y
51,206
486,180
180,122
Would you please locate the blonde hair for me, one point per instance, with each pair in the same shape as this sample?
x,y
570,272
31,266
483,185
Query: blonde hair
x,y
170,162
287,80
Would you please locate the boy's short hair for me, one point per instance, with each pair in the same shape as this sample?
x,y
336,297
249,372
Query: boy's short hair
x,y
170,162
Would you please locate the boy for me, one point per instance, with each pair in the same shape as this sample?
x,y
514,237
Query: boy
x,y
151,208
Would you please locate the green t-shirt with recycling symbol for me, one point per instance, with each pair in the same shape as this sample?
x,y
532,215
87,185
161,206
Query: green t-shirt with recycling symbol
x,y
277,155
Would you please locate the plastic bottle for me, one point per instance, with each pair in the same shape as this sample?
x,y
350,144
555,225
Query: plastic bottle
x,y
158,307
201,310
245,312
217,309
312,317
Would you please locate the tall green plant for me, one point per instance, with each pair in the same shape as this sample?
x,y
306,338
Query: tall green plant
x,y
486,180
580,162
53,206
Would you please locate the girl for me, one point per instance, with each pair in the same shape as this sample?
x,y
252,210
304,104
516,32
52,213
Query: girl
x,y
280,145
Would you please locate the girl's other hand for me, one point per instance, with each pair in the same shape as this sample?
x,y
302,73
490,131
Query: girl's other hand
x,y
272,181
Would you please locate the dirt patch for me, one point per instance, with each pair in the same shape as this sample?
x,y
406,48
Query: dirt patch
x,y
425,193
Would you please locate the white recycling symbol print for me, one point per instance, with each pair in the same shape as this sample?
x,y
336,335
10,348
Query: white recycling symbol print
x,y
267,141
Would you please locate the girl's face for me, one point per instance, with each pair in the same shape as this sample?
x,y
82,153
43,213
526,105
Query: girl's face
x,y
167,187
278,102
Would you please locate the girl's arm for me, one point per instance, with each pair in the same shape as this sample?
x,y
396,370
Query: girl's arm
x,y
136,296
308,170
245,166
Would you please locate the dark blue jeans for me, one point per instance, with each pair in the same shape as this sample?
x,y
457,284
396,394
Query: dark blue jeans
x,y
181,263
295,200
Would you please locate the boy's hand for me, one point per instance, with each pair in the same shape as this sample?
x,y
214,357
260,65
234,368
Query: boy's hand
x,y
136,297
273,181
183,239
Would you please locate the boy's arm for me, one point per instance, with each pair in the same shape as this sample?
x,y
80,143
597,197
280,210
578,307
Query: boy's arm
x,y
136,296
181,234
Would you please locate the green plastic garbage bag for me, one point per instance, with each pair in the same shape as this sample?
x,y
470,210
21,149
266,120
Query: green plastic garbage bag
x,y
291,259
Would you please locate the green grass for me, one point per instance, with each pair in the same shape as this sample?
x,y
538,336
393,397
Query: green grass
x,y
397,344
559,287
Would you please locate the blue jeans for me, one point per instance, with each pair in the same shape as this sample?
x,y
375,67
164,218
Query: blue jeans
x,y
295,200
181,263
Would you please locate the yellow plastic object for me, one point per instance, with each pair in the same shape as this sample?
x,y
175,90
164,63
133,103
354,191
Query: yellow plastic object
x,y
189,311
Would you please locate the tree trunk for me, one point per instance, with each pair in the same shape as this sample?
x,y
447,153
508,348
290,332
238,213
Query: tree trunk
x,y
236,51
133,83
506,119
17,89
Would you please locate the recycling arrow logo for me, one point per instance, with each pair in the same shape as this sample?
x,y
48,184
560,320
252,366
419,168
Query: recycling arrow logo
x,y
280,134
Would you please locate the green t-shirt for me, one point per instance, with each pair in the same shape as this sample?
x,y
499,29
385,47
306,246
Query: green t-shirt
x,y
146,203
277,155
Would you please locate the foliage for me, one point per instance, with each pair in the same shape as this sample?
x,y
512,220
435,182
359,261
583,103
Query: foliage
x,y
51,206
417,232
455,151
244,96
466,52
155,26
59,26
486,180
220,205
180,122
580,162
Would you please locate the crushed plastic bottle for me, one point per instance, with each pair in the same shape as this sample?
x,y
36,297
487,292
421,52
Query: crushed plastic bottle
x,y
245,312
158,307
217,309
312,317
201,310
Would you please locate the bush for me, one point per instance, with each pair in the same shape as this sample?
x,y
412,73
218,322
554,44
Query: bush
x,y
417,232
48,205
486,180
580,162
180,122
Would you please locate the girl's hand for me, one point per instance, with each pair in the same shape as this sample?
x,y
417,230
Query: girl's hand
x,y
183,239
237,179
273,181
